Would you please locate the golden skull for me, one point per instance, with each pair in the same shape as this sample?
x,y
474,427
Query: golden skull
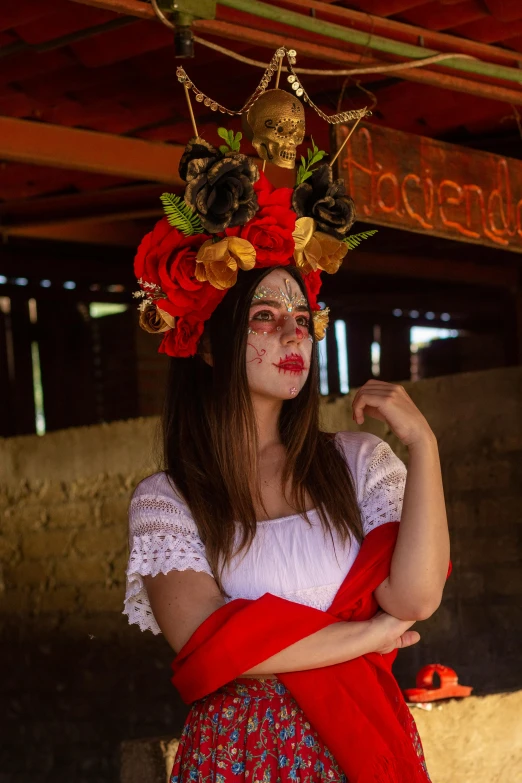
x,y
277,122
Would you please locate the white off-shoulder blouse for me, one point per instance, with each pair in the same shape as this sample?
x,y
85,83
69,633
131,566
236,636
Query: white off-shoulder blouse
x,y
288,557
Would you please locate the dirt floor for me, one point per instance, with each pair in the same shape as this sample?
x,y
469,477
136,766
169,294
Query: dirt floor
x,y
473,740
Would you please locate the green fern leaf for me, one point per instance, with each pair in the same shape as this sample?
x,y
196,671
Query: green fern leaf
x,y
180,215
354,240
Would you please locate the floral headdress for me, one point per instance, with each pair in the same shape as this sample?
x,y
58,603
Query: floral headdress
x,y
232,218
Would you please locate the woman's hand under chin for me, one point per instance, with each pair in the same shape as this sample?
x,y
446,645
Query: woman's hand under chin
x,y
391,403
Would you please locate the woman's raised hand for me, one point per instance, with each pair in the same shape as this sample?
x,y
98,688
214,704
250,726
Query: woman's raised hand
x,y
389,633
391,403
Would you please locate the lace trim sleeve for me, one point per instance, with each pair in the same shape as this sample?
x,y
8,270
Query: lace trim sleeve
x,y
162,538
383,489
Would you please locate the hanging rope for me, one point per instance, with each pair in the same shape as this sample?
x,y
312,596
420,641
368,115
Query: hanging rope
x,y
437,58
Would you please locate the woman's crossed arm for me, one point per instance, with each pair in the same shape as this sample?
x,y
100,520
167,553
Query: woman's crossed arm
x,y
182,600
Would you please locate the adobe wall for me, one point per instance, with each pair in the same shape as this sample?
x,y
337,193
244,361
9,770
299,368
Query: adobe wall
x,y
477,418
80,680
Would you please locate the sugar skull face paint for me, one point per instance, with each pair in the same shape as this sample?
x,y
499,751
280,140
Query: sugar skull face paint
x,y
290,299
278,345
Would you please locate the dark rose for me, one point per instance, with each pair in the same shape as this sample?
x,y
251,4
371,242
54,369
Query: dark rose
x,y
313,282
270,232
168,258
219,187
197,148
182,341
325,200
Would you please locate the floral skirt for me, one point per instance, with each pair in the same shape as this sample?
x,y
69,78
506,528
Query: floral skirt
x,y
252,731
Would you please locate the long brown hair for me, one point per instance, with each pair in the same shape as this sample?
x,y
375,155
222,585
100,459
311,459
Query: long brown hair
x,y
210,438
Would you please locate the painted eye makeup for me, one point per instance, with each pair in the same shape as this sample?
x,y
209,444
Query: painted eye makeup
x,y
262,315
266,321
263,322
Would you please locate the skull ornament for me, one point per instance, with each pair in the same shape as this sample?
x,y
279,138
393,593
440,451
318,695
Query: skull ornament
x,y
277,122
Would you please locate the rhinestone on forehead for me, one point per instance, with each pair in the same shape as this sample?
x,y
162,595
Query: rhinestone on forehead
x,y
290,301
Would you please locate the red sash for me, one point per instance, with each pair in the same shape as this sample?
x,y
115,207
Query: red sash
x,y
356,707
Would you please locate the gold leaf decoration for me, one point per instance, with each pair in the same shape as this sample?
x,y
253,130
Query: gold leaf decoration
x,y
154,320
219,262
316,250
332,252
321,319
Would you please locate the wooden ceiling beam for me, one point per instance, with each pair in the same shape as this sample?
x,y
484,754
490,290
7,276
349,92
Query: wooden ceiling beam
x,y
33,258
406,31
91,203
123,230
128,7
450,271
44,144
121,233
330,53
375,24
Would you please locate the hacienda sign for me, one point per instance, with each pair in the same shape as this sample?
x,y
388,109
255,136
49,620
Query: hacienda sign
x,y
419,184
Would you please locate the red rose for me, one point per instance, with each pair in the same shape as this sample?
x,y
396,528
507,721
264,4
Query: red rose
x,y
146,259
167,258
312,283
270,232
166,304
267,195
263,185
182,341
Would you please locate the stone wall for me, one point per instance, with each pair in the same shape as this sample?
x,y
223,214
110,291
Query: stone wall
x,y
79,680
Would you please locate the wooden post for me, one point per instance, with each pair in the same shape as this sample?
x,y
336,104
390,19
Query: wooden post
x,y
68,369
334,386
21,385
395,350
360,338
7,386
513,327
518,316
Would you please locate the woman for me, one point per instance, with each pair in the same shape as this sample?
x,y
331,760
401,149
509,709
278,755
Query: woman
x,y
255,499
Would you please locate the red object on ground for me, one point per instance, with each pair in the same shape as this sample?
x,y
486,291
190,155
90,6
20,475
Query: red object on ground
x,y
425,691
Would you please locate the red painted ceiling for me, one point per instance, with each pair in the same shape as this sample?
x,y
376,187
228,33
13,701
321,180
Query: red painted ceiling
x,y
80,66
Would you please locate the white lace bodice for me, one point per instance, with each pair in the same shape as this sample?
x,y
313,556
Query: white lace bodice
x,y
288,557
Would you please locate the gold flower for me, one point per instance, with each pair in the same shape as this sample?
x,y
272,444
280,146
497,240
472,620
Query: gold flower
x,y
320,319
218,262
306,248
155,320
315,249
332,252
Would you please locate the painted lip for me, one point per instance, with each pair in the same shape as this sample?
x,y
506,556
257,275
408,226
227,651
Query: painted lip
x,y
292,362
